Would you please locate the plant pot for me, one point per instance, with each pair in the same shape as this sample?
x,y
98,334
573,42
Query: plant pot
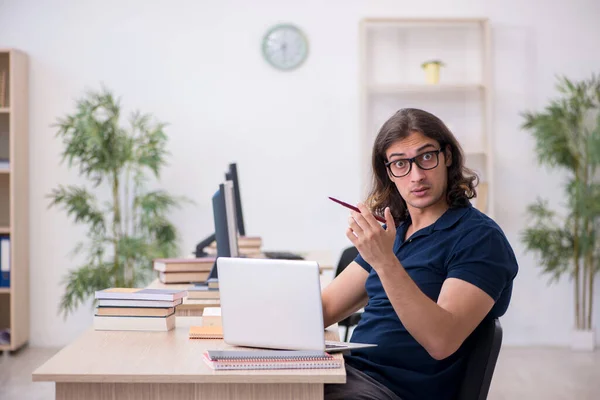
x,y
583,340
432,73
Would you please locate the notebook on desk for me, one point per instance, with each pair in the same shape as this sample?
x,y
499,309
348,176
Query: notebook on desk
x,y
270,359
274,304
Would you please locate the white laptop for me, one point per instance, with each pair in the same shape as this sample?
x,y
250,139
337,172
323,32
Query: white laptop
x,y
274,304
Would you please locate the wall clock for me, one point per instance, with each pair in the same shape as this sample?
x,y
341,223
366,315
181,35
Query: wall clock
x,y
285,47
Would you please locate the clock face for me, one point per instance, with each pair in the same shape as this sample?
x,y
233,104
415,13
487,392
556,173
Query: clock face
x,y
285,47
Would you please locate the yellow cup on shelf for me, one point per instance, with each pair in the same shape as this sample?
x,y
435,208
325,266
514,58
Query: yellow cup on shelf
x,y
432,71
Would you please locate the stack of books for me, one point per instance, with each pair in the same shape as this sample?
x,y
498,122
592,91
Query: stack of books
x,y
248,246
127,309
183,270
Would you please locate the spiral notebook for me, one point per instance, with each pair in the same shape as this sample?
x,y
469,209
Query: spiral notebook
x,y
206,332
270,359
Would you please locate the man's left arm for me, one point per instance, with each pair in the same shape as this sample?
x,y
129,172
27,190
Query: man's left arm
x,y
478,270
439,327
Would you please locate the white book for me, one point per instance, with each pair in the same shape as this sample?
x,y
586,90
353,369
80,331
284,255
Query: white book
x,y
138,303
141,294
5,254
105,323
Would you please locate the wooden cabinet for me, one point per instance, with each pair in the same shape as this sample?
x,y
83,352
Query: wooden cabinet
x,y
14,199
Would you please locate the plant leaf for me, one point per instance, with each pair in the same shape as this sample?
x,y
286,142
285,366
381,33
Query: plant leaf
x,y
80,204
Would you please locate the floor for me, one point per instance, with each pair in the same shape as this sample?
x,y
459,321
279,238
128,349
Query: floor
x,y
521,373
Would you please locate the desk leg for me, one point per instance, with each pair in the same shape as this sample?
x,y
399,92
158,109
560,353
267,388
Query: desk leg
x,y
188,391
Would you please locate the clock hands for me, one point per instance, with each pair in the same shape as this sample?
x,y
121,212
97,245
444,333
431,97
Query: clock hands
x,y
284,47
284,51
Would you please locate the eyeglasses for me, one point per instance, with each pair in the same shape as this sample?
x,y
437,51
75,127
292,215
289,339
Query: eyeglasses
x,y
402,166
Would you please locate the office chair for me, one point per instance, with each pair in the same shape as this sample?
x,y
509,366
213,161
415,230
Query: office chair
x,y
348,255
485,344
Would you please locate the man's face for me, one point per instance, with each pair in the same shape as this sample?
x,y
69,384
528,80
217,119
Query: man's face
x,y
420,188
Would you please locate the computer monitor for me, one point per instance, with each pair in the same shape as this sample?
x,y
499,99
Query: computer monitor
x,y
232,175
225,224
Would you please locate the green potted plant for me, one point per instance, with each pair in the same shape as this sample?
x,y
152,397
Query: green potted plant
x,y
432,71
129,227
567,136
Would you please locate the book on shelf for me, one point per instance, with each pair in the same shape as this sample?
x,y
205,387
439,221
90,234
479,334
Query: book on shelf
x,y
112,323
4,261
270,359
138,303
135,311
3,87
4,279
206,332
141,294
201,264
182,277
5,336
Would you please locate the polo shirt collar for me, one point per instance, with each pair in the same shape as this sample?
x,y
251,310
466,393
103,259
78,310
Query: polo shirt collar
x,y
450,217
447,220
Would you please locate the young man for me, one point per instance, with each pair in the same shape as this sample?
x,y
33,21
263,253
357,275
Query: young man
x,y
428,277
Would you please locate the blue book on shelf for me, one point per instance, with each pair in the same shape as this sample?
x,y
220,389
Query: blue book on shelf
x,y
5,279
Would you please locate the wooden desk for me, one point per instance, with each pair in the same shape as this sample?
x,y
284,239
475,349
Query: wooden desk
x,y
104,365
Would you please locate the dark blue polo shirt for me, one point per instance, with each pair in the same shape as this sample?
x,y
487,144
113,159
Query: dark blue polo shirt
x,y
463,243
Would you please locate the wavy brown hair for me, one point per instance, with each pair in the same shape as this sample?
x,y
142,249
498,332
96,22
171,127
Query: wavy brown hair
x,y
461,180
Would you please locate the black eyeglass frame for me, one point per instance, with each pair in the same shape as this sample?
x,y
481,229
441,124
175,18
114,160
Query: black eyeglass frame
x,y
414,160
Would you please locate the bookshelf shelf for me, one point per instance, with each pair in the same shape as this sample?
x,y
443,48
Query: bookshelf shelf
x,y
422,88
14,195
419,22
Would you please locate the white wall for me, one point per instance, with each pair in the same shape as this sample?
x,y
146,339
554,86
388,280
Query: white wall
x,y
197,65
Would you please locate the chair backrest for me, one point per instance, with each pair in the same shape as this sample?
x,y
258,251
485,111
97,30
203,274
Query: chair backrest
x,y
348,255
484,345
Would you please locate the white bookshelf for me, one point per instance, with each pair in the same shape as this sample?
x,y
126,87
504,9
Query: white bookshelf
x,y
391,54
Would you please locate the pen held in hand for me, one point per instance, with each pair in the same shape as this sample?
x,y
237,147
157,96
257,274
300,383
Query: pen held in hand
x,y
350,206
